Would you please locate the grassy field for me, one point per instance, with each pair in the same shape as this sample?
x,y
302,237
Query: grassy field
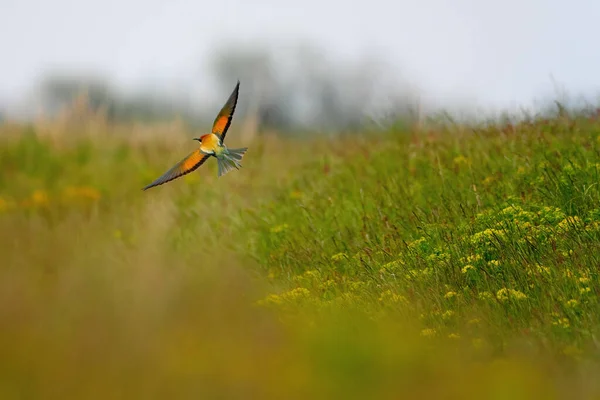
x,y
451,262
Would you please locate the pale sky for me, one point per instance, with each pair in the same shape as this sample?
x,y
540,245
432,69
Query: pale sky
x,y
499,52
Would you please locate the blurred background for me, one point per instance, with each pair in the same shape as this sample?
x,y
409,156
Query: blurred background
x,y
312,64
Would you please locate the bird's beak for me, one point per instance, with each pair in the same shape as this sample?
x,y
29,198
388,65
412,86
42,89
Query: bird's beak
x,y
198,139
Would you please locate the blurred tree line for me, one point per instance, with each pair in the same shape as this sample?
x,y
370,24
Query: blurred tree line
x,y
289,88
57,91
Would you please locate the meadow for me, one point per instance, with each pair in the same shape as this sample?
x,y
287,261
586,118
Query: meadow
x,y
452,261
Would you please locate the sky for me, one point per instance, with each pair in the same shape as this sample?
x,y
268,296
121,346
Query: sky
x,y
495,53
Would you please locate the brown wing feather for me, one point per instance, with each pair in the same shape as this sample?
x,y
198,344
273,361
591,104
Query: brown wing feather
x,y
185,166
223,120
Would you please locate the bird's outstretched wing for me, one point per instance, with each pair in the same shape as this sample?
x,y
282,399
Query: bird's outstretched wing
x,y
225,116
185,166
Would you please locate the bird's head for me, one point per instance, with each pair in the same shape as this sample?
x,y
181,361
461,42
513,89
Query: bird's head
x,y
201,138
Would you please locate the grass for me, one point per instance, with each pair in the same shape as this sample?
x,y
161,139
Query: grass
x,y
456,262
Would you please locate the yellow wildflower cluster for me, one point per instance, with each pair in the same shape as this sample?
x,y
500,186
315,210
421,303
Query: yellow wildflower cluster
x,y
505,294
584,280
416,243
39,198
485,296
392,265
339,256
467,268
461,160
488,180
85,193
487,236
450,295
572,303
428,332
562,322
473,258
328,284
569,223
437,258
309,276
448,315
389,297
286,297
538,270
415,274
593,226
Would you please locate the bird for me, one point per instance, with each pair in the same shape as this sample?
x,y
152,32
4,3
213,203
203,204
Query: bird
x,y
211,145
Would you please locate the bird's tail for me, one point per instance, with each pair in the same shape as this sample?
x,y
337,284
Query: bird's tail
x,y
230,160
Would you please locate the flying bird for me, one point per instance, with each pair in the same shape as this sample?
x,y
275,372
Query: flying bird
x,y
211,145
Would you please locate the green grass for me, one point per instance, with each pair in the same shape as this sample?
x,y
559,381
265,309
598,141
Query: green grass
x,y
455,262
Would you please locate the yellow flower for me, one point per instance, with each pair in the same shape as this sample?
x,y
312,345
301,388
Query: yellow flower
x,y
329,283
568,223
543,270
339,257
356,286
296,293
392,265
428,332
448,315
562,322
504,294
450,295
461,160
487,235
389,297
312,273
585,290
287,297
40,198
485,296
566,253
467,268
488,180
279,228
568,273
539,269
417,242
572,303
473,258
81,192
